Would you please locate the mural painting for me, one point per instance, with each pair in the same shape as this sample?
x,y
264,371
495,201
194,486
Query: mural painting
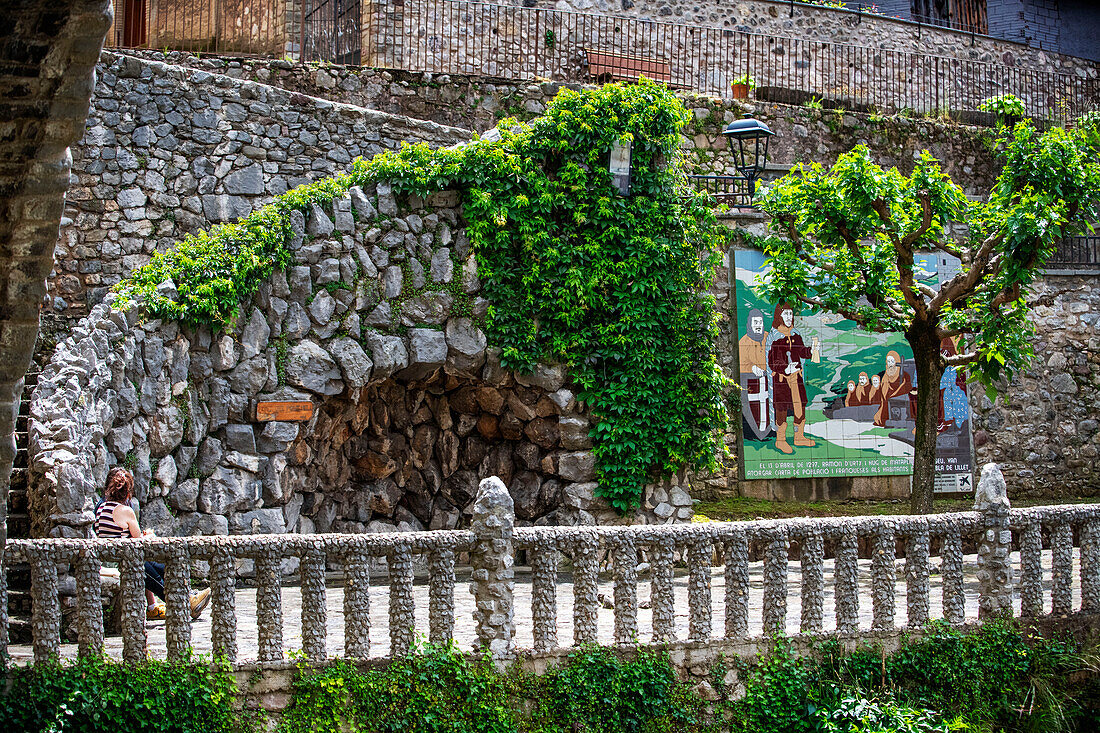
x,y
821,397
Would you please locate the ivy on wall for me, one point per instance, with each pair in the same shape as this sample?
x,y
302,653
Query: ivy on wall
x,y
615,287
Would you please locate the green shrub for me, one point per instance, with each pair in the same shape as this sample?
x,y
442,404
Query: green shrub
x,y
860,715
439,689
96,694
782,694
1004,105
600,692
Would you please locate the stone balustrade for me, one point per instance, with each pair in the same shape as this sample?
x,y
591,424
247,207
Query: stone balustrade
x,y
492,544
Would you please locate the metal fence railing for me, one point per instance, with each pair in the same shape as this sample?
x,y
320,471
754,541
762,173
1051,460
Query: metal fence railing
x,y
522,43
1076,253
729,190
510,42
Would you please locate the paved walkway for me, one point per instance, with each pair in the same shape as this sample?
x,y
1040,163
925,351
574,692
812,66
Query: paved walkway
x,y
464,623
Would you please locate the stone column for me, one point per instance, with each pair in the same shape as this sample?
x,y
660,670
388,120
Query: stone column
x,y
995,579
492,582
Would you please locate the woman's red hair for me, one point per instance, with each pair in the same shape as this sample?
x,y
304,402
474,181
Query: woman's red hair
x,y
120,485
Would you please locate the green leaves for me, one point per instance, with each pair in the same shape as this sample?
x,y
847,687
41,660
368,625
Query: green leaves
x,y
96,694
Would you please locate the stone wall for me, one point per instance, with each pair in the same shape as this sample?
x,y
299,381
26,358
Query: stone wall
x,y
1044,429
476,103
855,58
375,325
169,150
837,25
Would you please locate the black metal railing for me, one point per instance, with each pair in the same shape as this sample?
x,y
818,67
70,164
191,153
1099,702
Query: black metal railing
x,y
730,190
1081,252
520,43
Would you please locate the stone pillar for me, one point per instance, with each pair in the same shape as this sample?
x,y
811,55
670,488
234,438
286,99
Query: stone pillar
x,y
492,582
995,579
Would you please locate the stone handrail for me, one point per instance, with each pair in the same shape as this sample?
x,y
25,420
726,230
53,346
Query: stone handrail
x,y
492,544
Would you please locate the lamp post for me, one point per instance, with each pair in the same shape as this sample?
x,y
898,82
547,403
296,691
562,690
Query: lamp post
x,y
748,140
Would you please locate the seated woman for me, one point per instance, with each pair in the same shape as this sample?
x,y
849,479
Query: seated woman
x,y
114,519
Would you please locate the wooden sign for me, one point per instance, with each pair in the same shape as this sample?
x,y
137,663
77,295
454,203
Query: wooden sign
x,y
283,411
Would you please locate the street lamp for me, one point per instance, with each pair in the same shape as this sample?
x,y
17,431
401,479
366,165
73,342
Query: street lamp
x,y
748,138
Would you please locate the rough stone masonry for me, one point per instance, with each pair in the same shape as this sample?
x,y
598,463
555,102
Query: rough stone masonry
x,y
376,326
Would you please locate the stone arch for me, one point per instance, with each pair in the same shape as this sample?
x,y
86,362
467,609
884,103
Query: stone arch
x,y
374,325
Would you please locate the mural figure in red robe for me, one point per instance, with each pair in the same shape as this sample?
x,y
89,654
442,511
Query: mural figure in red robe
x,y
786,351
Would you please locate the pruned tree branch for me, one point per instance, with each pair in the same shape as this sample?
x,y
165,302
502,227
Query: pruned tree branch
x,y
904,248
961,359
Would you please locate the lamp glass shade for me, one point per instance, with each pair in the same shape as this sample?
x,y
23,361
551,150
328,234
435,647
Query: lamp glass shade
x,y
749,143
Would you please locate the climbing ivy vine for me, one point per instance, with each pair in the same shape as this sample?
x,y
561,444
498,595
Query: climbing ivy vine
x,y
615,287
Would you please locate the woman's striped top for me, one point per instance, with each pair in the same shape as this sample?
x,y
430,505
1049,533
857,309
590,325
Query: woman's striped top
x,y
105,522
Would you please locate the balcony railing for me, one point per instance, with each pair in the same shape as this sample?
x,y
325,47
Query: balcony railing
x,y
765,570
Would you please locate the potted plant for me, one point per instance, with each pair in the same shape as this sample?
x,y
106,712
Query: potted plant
x,y
742,85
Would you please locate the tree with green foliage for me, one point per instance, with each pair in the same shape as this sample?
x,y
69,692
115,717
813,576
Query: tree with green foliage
x,y
851,235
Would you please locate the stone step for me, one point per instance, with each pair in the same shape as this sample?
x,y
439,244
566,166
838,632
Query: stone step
x,y
21,423
19,526
19,602
17,501
19,631
18,480
19,577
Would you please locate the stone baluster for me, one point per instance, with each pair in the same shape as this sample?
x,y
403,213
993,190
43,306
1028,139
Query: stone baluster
x,y
314,616
89,602
846,580
131,568
1061,550
916,575
1031,570
951,572
4,563
356,604
699,553
493,578
736,558
775,581
177,596
441,595
883,577
994,571
1090,566
544,595
585,589
661,594
46,607
402,615
269,604
812,562
626,590
223,604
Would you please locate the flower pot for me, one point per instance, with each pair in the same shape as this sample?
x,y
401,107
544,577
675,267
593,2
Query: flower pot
x,y
740,91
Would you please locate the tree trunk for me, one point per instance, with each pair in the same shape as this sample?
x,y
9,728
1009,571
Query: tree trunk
x,y
930,368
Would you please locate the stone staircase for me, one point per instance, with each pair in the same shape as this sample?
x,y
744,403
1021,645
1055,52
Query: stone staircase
x,y
19,522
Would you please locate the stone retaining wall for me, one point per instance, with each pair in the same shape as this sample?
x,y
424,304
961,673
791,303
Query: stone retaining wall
x,y
837,25
146,174
169,150
376,324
